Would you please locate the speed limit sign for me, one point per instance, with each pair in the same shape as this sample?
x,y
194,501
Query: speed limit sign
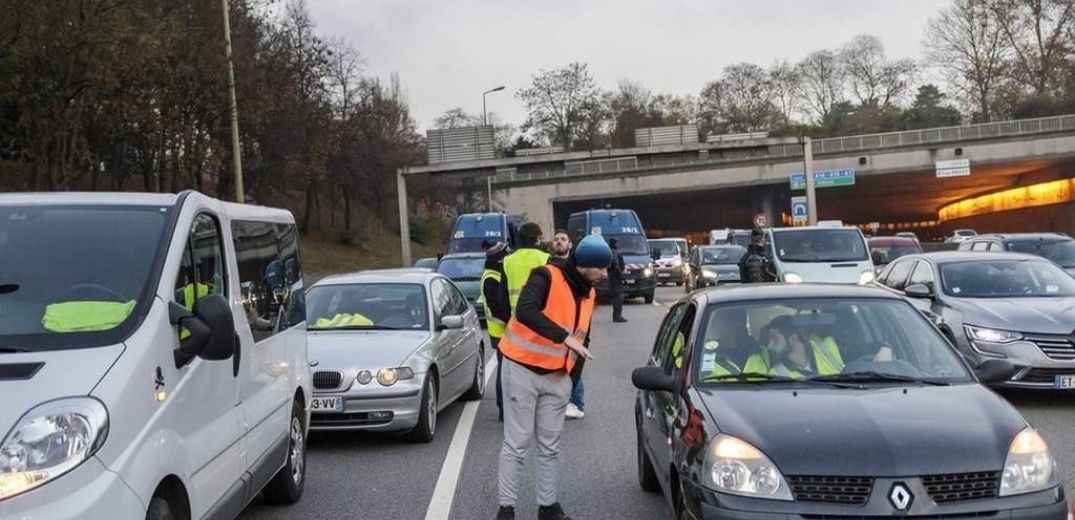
x,y
761,220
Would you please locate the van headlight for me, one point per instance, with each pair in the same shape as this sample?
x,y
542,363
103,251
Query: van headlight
x,y
866,277
734,466
648,271
792,278
50,440
1029,466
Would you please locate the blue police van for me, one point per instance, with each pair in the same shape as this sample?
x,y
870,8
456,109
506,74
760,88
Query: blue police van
x,y
623,226
472,229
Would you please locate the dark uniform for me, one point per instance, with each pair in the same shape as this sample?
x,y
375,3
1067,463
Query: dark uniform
x,y
615,282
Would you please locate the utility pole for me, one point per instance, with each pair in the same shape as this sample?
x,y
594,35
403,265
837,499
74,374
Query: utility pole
x,y
236,153
811,193
404,223
485,121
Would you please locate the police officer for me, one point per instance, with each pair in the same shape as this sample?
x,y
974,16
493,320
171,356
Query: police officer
x,y
615,282
754,266
494,298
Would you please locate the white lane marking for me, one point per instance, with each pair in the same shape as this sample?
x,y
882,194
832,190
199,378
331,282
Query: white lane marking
x,y
440,506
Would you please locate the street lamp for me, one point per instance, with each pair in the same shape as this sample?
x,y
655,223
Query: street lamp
x,y
485,118
236,156
485,121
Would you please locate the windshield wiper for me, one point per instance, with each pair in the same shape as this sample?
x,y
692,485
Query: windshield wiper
x,y
876,377
8,288
751,377
354,327
13,350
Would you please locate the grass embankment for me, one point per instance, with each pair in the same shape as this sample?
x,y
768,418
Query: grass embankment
x,y
322,256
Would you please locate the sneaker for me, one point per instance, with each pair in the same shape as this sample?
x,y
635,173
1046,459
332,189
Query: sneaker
x,y
505,513
573,412
553,512
619,319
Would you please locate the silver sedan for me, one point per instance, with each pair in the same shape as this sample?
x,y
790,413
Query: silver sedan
x,y
390,349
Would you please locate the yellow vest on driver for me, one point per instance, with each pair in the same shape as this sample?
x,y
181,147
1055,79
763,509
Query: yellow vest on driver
x,y
495,326
517,267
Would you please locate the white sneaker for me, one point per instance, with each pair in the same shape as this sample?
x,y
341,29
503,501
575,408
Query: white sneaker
x,y
573,412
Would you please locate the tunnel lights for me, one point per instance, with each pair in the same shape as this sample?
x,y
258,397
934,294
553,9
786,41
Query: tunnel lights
x,y
1043,194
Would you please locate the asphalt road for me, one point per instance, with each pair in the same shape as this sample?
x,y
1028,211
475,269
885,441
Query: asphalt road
x,y
379,477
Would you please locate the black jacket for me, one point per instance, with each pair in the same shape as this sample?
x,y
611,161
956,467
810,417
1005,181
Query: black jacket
x,y
766,274
616,269
535,295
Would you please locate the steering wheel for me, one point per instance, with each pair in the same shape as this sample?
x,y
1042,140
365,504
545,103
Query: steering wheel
x,y
91,287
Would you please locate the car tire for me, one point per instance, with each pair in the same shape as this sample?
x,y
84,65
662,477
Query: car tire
x,y
477,387
159,509
647,476
286,487
427,413
648,298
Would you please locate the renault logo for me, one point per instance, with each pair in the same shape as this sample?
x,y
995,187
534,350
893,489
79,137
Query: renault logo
x,y
900,497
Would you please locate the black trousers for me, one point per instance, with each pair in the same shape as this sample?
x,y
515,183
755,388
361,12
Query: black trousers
x,y
495,342
616,286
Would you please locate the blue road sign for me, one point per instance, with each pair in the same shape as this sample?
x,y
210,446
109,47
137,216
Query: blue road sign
x,y
798,208
824,179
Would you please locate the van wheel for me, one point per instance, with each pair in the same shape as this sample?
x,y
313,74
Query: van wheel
x,y
286,487
427,414
477,387
159,509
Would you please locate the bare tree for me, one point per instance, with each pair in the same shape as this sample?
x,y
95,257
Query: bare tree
x,y
559,104
1039,34
874,79
741,101
966,40
456,118
823,80
786,84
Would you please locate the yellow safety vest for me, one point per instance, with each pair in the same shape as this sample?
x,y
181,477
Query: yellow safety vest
x,y
827,360
342,320
495,326
720,366
85,316
192,292
517,267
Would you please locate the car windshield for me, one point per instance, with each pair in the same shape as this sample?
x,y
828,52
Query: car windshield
x,y
885,254
813,338
467,245
1060,251
630,244
370,306
666,247
722,255
74,276
462,269
820,245
1006,279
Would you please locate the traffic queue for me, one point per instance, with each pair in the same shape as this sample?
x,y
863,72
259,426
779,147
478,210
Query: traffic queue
x,y
161,357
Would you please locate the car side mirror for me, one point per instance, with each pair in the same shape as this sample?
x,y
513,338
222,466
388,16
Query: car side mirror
x,y
451,322
995,371
653,378
918,291
211,326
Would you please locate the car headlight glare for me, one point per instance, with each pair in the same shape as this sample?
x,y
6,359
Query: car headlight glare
x,y
738,468
1029,466
389,376
647,272
49,441
793,278
708,274
866,277
992,335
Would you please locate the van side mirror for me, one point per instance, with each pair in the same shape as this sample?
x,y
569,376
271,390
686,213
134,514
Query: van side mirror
x,y
995,371
918,291
653,378
212,330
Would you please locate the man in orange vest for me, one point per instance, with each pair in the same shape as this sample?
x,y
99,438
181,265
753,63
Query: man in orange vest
x,y
548,333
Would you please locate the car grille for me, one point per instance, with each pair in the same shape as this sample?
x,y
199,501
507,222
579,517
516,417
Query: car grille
x,y
958,487
1056,347
959,516
835,490
327,380
350,419
1045,375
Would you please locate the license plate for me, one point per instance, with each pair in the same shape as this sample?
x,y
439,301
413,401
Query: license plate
x,y
326,405
663,275
1067,382
628,282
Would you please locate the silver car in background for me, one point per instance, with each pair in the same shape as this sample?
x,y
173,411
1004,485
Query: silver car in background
x,y
389,349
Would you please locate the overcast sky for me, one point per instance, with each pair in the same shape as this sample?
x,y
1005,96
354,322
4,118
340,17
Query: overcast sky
x,y
447,52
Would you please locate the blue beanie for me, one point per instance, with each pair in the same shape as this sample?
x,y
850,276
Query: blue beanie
x,y
592,251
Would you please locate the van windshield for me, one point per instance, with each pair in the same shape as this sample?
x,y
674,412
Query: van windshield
x,y
820,245
74,276
472,230
630,245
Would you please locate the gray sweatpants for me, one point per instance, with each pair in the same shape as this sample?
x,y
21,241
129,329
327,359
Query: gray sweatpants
x,y
534,407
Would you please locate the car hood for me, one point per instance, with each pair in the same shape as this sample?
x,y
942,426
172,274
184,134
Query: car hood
x,y
1036,315
342,349
63,373
876,431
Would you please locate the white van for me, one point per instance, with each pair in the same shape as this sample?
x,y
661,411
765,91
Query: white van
x,y
826,254
152,357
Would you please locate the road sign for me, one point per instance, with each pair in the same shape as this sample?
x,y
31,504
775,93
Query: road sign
x,y
799,211
824,179
761,220
953,168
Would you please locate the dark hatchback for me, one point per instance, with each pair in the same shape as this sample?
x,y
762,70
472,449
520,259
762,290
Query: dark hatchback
x,y
890,423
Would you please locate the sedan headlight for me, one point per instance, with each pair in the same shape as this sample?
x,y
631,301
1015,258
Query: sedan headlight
x,y
734,466
50,440
793,278
992,335
866,277
1029,467
389,376
708,274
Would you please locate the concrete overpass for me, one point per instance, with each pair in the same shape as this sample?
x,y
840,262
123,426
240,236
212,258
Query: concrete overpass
x,y
710,185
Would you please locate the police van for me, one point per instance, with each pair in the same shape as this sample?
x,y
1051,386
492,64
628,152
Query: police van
x,y
623,226
472,229
152,356
826,253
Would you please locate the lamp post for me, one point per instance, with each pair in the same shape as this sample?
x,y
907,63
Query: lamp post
x,y
237,159
485,121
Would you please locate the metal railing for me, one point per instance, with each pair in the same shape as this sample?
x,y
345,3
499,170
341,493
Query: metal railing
x,y
693,160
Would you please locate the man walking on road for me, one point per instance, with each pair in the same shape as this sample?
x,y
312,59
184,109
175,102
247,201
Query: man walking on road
x,y
497,309
517,266
754,266
547,334
615,283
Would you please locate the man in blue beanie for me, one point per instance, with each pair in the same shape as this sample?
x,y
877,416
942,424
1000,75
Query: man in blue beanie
x,y
549,332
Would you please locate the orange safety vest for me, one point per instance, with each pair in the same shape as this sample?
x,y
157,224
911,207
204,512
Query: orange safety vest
x,y
524,346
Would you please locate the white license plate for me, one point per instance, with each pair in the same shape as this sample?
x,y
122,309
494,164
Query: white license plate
x,y
1067,382
326,405
663,275
628,282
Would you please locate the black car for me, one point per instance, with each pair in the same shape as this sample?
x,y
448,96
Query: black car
x,y
712,265
1011,306
902,429
1055,246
